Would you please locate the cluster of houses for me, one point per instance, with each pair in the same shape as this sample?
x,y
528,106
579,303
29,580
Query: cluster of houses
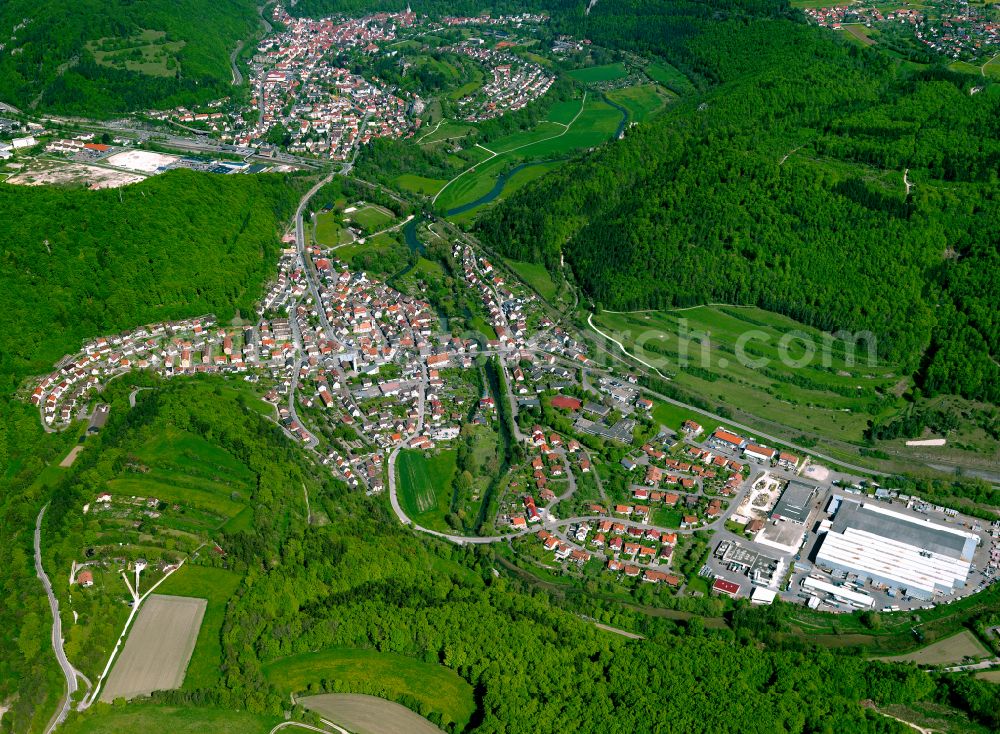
x,y
725,440
955,29
506,310
513,83
629,550
188,346
485,19
324,108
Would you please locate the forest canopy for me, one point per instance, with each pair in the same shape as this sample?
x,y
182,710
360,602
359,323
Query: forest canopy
x,y
783,187
51,59
77,263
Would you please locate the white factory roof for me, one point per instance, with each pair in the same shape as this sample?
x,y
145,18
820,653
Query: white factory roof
x,y
910,566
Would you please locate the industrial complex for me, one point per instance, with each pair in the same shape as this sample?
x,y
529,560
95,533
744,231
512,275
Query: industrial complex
x,y
912,555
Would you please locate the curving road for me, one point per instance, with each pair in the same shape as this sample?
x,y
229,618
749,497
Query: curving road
x,y
57,640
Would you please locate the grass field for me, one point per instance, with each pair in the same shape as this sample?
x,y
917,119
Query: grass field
x,y
158,647
642,101
824,394
537,276
329,232
368,714
145,717
447,130
418,184
436,687
861,34
605,73
371,218
206,496
216,585
951,650
146,53
673,417
591,124
425,485
669,77
993,676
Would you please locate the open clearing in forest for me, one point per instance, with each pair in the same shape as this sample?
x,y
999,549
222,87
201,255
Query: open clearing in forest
x,y
433,686
642,101
368,714
158,648
951,650
605,73
71,457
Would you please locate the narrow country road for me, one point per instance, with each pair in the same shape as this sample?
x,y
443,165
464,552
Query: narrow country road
x,y
237,74
57,640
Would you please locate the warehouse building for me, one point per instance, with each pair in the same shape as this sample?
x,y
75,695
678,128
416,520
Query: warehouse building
x,y
795,502
901,551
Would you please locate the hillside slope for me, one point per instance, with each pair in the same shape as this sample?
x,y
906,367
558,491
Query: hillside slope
x,y
101,57
783,187
82,263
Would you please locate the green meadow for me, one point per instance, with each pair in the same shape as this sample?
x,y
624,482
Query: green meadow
x,y
752,358
148,717
592,123
434,686
537,276
605,73
669,77
642,101
425,490
217,585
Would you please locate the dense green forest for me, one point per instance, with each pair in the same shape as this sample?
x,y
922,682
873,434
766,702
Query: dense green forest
x,y
79,263
363,581
51,58
783,187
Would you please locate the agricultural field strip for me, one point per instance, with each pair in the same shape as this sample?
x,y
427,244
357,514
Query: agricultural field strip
x,y
158,648
583,103
368,714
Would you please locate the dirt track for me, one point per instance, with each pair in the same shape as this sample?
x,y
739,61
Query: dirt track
x,y
158,648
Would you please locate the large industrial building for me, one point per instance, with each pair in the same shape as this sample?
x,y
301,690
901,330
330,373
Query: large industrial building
x,y
901,551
